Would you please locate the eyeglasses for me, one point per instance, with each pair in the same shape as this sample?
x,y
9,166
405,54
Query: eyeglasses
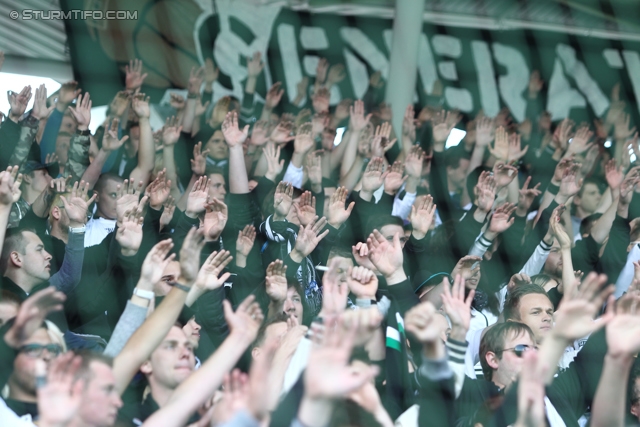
x,y
35,350
519,350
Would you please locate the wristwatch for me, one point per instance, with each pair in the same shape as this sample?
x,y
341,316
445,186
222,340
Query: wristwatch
x,y
76,230
144,294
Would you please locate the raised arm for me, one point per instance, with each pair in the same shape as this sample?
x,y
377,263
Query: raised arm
x,y
147,149
238,179
145,340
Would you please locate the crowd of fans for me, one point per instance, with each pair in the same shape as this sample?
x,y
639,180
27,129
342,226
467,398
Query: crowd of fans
x,y
240,267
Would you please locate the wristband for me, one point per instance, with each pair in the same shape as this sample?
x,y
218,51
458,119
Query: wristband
x,y
553,189
85,132
180,286
77,230
143,294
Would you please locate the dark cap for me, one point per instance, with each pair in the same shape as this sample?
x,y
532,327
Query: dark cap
x,y
31,165
426,278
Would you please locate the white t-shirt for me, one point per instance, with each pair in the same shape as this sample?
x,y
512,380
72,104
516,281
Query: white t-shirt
x,y
97,230
8,418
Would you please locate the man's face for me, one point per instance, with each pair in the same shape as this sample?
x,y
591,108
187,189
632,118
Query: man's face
x,y
192,330
508,366
590,199
216,186
100,401
35,260
458,176
40,180
390,230
536,311
293,304
217,147
553,264
107,197
173,361
170,274
23,378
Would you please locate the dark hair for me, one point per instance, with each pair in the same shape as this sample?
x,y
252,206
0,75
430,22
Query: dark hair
x,y
262,332
341,251
589,180
210,170
379,221
87,356
512,303
14,241
494,341
102,181
453,156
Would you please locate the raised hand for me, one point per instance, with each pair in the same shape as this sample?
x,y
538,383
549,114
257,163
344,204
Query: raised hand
x,y
171,132
129,233
110,141
282,133
306,208
61,395
570,184
623,331
274,95
255,65
276,281
67,93
134,77
515,152
526,196
259,133
211,72
177,101
336,74
195,80
386,256
500,221
500,149
321,71
363,283
199,161
561,235
485,130
208,279
190,256
140,105
458,307
580,142
621,129
614,175
31,315
282,200
421,217
82,111
374,175
409,123
215,218
128,195
303,142
10,182
518,280
360,252
40,110
337,214
158,191
320,100
380,142
200,107
77,204
154,264
18,102
358,120
308,238
394,179
574,318
313,169
414,162
274,164
468,267
485,192
245,240
167,213
245,321
198,197
232,133
443,123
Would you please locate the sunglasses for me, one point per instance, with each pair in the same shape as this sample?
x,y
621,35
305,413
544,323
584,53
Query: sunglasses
x,y
35,350
519,350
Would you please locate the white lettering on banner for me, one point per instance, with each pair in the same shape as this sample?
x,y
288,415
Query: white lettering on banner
x,y
586,84
515,82
486,82
562,97
570,85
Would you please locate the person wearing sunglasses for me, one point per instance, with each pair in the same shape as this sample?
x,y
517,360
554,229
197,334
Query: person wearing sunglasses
x,y
45,344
